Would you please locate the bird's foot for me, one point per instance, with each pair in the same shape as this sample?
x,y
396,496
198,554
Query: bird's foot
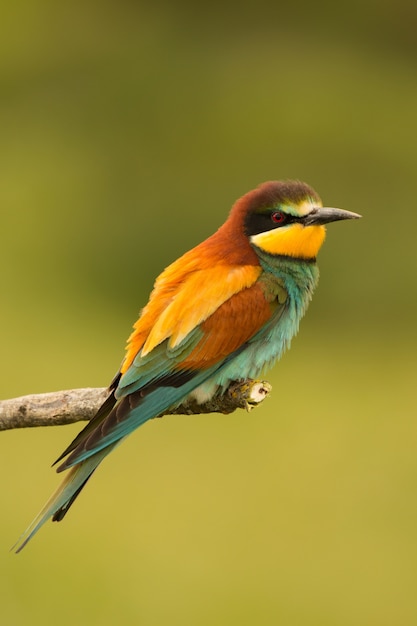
x,y
249,393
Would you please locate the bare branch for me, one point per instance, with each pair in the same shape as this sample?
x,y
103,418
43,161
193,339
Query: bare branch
x,y
66,407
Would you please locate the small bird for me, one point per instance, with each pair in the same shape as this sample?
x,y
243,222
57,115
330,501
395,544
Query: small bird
x,y
224,311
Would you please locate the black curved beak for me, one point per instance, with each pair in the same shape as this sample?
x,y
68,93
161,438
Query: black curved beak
x,y
324,215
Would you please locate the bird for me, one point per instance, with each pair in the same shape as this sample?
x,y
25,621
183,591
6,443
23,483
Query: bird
x,y
224,311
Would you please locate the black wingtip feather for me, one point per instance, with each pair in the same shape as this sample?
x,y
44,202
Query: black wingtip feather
x,y
61,513
101,414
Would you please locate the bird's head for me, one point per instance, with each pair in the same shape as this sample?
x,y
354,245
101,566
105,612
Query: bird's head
x,y
286,218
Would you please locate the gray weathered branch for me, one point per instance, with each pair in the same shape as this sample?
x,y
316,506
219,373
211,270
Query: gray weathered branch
x,y
65,407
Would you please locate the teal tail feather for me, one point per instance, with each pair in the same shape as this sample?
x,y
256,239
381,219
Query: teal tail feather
x,y
60,501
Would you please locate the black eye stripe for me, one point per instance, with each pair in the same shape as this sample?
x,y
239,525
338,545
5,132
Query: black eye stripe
x,y
256,223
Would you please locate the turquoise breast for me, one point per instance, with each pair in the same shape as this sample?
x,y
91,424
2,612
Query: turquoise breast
x,y
298,279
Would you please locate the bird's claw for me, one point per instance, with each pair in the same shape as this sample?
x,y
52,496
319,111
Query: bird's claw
x,y
250,393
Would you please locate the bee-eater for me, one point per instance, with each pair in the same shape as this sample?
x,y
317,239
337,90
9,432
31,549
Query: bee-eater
x,y
222,312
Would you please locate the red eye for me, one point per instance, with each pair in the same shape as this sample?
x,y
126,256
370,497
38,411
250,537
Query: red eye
x,y
278,217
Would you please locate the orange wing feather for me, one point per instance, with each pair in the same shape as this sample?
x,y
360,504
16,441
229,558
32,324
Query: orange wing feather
x,y
229,327
186,294
197,298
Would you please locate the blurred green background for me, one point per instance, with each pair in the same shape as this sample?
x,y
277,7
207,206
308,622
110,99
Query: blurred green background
x,y
127,131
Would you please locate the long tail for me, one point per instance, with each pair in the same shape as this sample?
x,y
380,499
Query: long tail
x,y
60,501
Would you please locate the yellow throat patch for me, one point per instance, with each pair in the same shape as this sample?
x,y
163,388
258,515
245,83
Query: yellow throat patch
x,y
295,240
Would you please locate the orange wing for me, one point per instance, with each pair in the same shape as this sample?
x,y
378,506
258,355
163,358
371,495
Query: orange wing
x,y
229,327
185,295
